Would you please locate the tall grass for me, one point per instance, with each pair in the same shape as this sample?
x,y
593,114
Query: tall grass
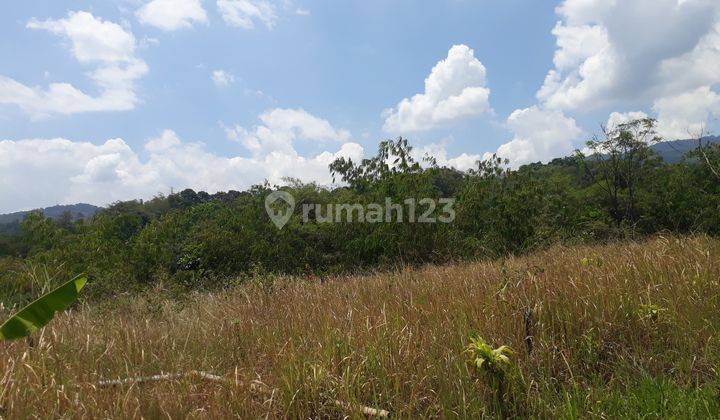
x,y
619,330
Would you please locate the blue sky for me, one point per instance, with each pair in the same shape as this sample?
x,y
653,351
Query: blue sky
x,y
102,101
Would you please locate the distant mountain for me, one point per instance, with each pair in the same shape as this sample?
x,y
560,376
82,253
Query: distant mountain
x,y
673,151
77,211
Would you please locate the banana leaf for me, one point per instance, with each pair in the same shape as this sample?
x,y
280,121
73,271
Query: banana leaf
x,y
37,314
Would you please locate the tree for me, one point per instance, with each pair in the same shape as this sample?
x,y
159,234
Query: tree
x,y
393,157
708,153
619,158
38,232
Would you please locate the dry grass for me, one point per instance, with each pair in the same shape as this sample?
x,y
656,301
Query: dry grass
x,y
614,329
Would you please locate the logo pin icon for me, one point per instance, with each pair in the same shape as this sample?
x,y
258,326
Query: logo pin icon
x,y
279,214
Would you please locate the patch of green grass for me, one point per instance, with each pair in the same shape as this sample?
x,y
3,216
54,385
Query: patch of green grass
x,y
645,398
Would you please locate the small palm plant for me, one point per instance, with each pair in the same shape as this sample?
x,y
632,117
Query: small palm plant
x,y
492,362
485,358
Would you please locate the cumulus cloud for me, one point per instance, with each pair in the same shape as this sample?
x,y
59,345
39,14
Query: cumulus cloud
x,y
94,41
462,162
684,116
454,90
679,117
280,128
39,172
539,135
170,15
637,52
221,78
44,172
167,140
618,118
246,13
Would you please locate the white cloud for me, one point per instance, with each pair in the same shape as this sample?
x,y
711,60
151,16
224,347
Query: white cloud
x,y
280,128
679,116
462,162
245,13
41,172
93,41
684,116
618,118
44,172
637,52
221,78
167,140
454,90
170,15
577,43
539,135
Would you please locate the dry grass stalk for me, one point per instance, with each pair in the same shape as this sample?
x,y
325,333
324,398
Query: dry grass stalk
x,y
162,377
254,385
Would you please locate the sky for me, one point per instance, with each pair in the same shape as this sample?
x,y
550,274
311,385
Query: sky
x,y
103,101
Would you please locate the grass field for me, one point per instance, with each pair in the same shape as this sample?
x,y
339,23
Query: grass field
x,y
625,330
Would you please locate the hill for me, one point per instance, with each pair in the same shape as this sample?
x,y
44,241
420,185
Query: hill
x,y
673,151
77,211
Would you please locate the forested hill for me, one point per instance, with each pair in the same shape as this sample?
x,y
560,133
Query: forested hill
x,y
673,151
76,211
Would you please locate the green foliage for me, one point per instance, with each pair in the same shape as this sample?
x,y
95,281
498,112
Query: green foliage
x,y
37,314
644,397
651,312
394,157
499,374
485,358
621,158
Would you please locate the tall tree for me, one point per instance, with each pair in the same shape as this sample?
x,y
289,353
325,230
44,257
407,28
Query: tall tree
x,y
619,157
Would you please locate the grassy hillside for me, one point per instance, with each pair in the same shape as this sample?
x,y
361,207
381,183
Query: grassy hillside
x,y
616,330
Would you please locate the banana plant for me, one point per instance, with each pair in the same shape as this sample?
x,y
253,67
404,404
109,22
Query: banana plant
x,y
37,314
